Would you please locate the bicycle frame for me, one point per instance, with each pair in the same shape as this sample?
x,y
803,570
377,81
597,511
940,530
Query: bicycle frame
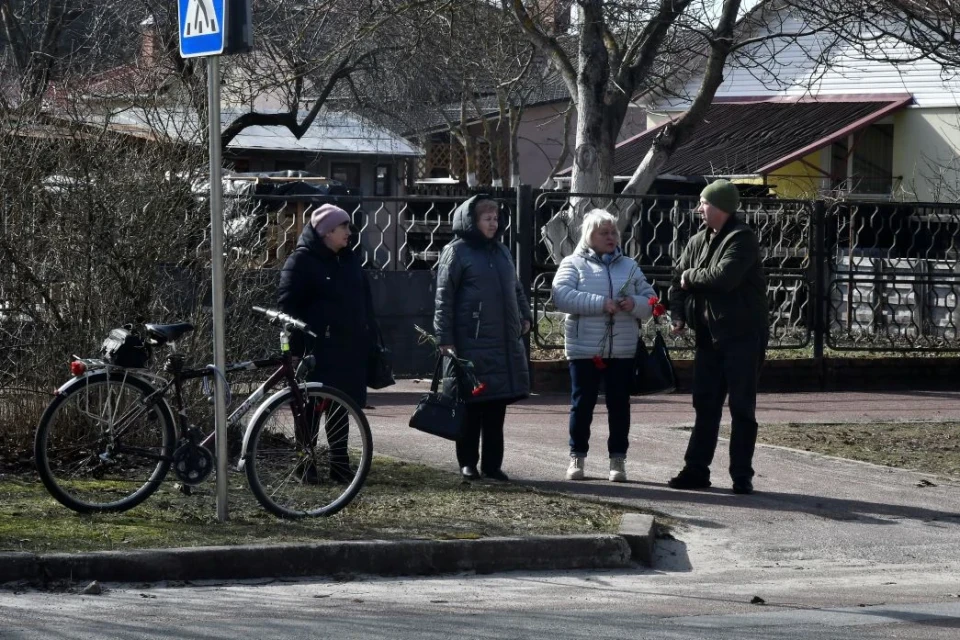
x,y
162,384
285,372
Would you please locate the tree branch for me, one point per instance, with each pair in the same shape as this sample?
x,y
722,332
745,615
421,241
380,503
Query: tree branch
x,y
290,118
548,45
675,134
643,51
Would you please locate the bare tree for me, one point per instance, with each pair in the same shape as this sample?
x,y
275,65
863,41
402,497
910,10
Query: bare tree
x,y
305,54
309,53
618,46
623,51
33,34
474,69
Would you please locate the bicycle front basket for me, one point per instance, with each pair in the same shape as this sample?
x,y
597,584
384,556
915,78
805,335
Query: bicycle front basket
x,y
124,348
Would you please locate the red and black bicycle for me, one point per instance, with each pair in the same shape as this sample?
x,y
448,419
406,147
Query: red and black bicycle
x,y
110,436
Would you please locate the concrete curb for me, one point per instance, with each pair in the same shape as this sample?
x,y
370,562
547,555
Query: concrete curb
x,y
376,557
639,530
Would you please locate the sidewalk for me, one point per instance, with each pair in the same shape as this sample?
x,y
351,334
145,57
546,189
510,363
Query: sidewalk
x,y
676,409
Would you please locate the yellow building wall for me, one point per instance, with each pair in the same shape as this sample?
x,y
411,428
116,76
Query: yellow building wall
x,y
926,154
798,180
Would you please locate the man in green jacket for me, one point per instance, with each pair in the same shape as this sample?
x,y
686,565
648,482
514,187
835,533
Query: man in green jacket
x,y
720,291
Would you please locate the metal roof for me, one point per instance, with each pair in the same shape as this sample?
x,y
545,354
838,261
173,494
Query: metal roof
x,y
332,132
755,138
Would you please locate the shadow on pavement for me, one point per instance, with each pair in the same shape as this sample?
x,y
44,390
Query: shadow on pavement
x,y
820,506
670,556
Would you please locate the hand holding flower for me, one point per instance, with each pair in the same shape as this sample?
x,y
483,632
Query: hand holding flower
x,y
610,306
627,304
658,309
466,366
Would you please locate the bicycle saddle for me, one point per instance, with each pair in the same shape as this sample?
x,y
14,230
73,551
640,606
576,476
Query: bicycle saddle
x,y
163,333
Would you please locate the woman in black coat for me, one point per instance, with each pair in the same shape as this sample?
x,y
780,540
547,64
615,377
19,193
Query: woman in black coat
x,y
481,315
323,284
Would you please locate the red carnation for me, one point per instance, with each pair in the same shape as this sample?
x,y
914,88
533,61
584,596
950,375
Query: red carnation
x,y
658,309
480,388
599,363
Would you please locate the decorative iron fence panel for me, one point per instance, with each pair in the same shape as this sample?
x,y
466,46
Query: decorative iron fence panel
x,y
894,277
395,233
656,230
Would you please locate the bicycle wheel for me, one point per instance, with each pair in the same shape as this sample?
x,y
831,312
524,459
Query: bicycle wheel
x,y
313,471
99,448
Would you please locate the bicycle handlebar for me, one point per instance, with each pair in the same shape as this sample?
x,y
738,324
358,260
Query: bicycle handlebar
x,y
278,317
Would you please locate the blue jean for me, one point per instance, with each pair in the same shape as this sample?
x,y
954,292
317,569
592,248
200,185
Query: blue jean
x,y
585,380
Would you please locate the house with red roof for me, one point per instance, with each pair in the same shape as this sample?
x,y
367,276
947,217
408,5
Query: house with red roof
x,y
817,119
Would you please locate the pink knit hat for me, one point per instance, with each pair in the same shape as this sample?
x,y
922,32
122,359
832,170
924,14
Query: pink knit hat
x,y
327,218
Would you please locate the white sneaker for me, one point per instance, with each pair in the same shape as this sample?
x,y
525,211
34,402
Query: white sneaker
x,y
575,470
617,472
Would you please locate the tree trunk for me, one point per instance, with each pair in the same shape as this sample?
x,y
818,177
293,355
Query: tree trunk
x,y
469,160
594,67
649,168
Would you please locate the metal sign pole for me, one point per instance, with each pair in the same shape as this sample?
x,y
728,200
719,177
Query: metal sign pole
x,y
216,264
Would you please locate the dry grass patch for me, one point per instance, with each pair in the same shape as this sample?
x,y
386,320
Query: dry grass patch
x,y
399,500
930,447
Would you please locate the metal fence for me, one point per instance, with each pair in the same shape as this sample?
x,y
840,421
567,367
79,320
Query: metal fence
x,y
395,233
399,238
840,275
657,228
892,276
845,275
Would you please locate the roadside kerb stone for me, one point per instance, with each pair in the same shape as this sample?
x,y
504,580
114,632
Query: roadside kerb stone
x,y
386,558
638,529
19,566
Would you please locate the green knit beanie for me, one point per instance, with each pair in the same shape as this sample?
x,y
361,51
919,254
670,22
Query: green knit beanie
x,y
723,195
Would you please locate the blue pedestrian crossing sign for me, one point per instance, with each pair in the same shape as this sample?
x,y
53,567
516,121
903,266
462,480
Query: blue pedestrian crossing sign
x,y
203,27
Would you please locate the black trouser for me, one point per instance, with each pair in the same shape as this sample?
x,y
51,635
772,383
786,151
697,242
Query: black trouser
x,y
482,419
731,368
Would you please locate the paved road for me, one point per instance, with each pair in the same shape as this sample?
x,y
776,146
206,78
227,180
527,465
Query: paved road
x,y
834,548
536,606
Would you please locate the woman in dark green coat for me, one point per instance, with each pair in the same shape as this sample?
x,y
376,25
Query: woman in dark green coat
x,y
482,315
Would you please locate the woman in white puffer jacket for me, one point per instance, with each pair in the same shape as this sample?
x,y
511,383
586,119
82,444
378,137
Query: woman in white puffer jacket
x,y
604,293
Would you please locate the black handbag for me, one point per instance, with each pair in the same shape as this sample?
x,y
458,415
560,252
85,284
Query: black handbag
x,y
652,370
438,413
379,364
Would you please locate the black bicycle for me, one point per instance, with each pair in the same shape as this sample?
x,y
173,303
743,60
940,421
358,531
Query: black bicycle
x,y
110,437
